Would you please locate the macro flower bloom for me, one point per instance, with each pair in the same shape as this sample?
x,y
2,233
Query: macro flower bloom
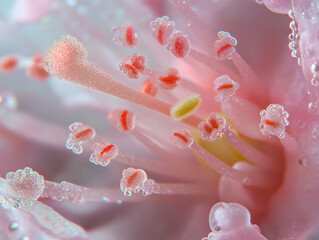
x,y
159,119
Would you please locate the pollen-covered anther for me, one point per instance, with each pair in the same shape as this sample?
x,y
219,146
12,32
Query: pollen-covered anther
x,y
178,44
185,107
23,187
125,35
162,29
149,87
80,133
213,128
274,120
132,180
63,57
133,65
224,47
123,119
225,88
169,79
181,138
103,153
9,64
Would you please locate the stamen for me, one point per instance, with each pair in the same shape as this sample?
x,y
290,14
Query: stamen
x,y
182,138
149,87
23,187
123,119
132,180
133,65
249,152
103,153
9,64
162,29
169,79
232,221
135,180
81,195
274,120
67,59
185,107
125,35
80,133
215,163
37,72
178,44
225,88
224,47
212,129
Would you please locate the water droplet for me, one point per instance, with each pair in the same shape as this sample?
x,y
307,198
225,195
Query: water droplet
x,y
301,124
7,101
303,162
119,202
13,226
313,108
314,81
106,199
259,1
315,68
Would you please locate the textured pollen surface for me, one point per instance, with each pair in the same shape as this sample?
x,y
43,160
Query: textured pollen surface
x,y
24,186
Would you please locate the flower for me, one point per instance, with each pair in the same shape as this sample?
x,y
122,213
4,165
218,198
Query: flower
x,y
251,157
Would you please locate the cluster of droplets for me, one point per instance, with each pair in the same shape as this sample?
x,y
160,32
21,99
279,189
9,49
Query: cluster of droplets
x,y
315,72
22,188
294,37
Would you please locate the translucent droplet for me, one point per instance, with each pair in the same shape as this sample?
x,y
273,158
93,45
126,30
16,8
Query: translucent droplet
x,y
314,81
119,202
259,1
315,68
313,108
7,101
13,226
106,199
303,162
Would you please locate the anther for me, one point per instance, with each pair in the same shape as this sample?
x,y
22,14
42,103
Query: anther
x,y
178,44
149,87
225,88
103,153
274,120
181,138
212,129
80,133
23,187
123,119
135,180
162,29
185,107
125,35
9,64
224,47
36,70
169,79
133,65
132,180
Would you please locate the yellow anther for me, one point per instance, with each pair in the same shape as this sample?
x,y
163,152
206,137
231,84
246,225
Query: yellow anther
x,y
185,107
